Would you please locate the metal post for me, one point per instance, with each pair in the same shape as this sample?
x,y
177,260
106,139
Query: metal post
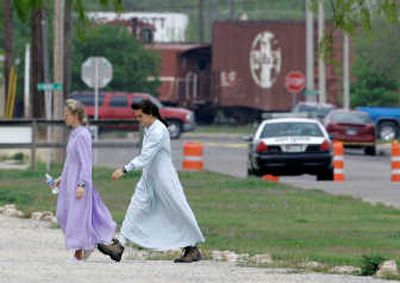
x,y
27,82
33,148
96,109
310,51
294,100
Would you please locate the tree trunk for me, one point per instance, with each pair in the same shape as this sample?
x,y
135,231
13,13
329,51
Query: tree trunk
x,y
67,49
8,43
37,97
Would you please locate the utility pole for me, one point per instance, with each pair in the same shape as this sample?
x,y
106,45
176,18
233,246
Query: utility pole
x,y
213,12
346,72
201,21
59,76
309,51
67,48
232,10
58,56
321,61
48,94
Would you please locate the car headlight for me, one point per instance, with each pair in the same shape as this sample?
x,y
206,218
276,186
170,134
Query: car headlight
x,y
190,117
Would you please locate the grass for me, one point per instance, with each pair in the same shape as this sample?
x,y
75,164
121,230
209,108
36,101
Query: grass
x,y
248,216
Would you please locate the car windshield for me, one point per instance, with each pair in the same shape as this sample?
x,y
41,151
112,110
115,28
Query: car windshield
x,y
285,129
88,99
318,110
351,117
155,101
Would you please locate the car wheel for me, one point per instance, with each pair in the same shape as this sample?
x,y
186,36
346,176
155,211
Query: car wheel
x,y
326,175
370,150
175,129
387,131
250,172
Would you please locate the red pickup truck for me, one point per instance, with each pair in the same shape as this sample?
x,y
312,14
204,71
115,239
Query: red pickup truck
x,y
116,105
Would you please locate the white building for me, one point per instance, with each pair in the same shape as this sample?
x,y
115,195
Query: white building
x,y
169,27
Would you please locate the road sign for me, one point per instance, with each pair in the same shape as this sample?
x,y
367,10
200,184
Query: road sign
x,y
311,92
49,86
295,82
96,72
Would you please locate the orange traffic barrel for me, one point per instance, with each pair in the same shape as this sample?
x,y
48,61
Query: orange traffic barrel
x,y
270,178
193,156
338,161
395,162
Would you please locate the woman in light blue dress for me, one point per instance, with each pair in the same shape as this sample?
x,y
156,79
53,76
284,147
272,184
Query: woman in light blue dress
x,y
159,216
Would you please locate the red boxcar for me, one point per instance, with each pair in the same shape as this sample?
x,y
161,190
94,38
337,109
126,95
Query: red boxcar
x,y
242,73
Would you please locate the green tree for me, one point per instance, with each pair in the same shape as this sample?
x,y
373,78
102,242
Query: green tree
x,y
374,89
132,63
36,12
348,15
377,66
378,50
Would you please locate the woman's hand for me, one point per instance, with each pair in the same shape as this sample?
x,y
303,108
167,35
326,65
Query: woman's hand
x,y
118,173
79,192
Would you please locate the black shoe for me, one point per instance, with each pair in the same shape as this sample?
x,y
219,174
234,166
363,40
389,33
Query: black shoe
x,y
189,254
114,250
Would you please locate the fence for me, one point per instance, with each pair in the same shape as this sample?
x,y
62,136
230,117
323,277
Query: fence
x,y
29,130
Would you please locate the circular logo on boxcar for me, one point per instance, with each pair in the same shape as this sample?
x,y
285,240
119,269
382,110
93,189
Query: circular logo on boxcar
x,y
265,59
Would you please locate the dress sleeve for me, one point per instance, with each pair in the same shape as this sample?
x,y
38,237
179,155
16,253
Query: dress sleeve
x,y
84,151
150,147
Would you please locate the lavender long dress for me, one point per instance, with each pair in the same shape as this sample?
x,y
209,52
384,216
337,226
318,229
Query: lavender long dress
x,y
86,221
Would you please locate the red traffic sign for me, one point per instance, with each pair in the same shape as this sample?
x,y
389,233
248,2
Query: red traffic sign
x,y
295,81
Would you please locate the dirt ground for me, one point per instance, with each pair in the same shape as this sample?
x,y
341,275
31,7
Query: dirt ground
x,y
31,251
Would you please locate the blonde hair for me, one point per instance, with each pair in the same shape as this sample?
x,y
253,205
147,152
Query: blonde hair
x,y
76,108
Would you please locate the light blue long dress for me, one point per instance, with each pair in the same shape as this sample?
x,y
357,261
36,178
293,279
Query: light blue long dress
x,y
159,216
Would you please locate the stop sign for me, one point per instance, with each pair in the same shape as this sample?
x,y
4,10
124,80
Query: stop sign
x,y
295,81
96,72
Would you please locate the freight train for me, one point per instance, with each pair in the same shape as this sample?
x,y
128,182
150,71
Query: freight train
x,y
241,73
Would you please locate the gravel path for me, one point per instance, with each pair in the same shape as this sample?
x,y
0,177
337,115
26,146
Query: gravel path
x,y
31,251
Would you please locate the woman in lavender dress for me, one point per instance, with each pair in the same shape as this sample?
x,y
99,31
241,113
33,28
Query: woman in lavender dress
x,y
82,215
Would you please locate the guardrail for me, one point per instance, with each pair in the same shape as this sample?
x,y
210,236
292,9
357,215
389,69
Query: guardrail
x,y
29,138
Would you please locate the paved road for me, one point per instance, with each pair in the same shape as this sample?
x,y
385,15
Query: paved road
x,y
31,252
367,177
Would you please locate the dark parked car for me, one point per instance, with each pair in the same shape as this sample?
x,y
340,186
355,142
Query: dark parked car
x,y
290,146
353,128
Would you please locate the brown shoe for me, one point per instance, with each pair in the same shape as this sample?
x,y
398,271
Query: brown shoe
x,y
114,250
189,254
78,254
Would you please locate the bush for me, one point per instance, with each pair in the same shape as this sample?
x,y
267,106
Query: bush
x,y
19,156
370,264
374,89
